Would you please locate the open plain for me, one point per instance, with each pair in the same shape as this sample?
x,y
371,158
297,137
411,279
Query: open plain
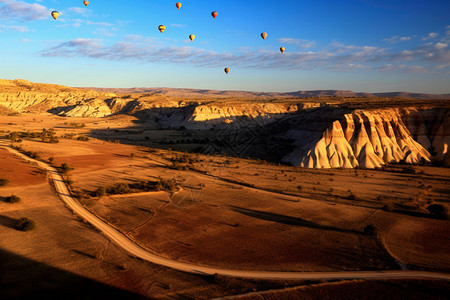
x,y
232,183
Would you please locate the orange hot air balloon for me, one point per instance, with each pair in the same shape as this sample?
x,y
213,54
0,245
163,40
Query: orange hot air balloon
x,y
214,14
178,5
227,70
192,37
86,3
282,49
55,14
264,35
161,28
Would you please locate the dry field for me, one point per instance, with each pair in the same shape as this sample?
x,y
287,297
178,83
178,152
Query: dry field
x,y
64,257
229,212
359,289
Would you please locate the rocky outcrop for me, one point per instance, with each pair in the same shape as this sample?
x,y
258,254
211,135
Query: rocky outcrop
x,y
324,135
372,138
206,116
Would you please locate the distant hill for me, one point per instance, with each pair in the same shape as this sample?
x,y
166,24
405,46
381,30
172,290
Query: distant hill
x,y
181,92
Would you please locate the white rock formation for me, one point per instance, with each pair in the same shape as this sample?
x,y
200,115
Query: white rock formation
x,y
369,139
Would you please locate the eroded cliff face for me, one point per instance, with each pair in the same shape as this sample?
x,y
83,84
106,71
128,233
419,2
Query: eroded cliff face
x,y
323,135
372,138
205,116
23,96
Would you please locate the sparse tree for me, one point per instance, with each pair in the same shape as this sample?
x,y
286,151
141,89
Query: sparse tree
x,y
66,168
25,224
439,211
12,199
4,181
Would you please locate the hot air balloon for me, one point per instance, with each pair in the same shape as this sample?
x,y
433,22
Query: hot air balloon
x,y
282,49
161,28
227,70
192,37
55,14
86,3
214,14
178,5
264,35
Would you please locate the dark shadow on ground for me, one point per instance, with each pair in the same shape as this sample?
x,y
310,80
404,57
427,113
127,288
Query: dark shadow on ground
x,y
260,137
22,278
7,222
283,219
417,214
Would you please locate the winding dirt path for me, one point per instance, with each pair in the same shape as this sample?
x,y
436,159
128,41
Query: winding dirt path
x,y
136,250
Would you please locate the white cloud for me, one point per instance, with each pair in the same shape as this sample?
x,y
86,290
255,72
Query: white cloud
x,y
300,42
78,10
441,45
15,28
430,36
289,41
178,25
397,39
336,57
105,24
11,9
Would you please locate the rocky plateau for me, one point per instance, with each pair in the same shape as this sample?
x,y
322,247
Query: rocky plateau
x,y
329,132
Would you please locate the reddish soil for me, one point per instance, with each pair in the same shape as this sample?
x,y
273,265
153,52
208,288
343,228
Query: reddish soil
x,y
19,172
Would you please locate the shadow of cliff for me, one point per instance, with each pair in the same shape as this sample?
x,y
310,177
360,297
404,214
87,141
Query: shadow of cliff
x,y
283,219
261,137
23,278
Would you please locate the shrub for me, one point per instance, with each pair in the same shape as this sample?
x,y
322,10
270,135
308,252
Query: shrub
x,y
51,160
120,188
25,224
4,181
12,199
101,192
439,211
68,181
66,168
370,229
82,138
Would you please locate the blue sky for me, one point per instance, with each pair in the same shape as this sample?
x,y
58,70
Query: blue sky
x,y
360,45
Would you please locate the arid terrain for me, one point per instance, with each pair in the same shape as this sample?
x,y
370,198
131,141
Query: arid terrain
x,y
322,182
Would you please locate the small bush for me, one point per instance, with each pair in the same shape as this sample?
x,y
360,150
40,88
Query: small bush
x,y
69,181
25,224
370,229
101,192
66,168
4,181
12,199
439,211
82,138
